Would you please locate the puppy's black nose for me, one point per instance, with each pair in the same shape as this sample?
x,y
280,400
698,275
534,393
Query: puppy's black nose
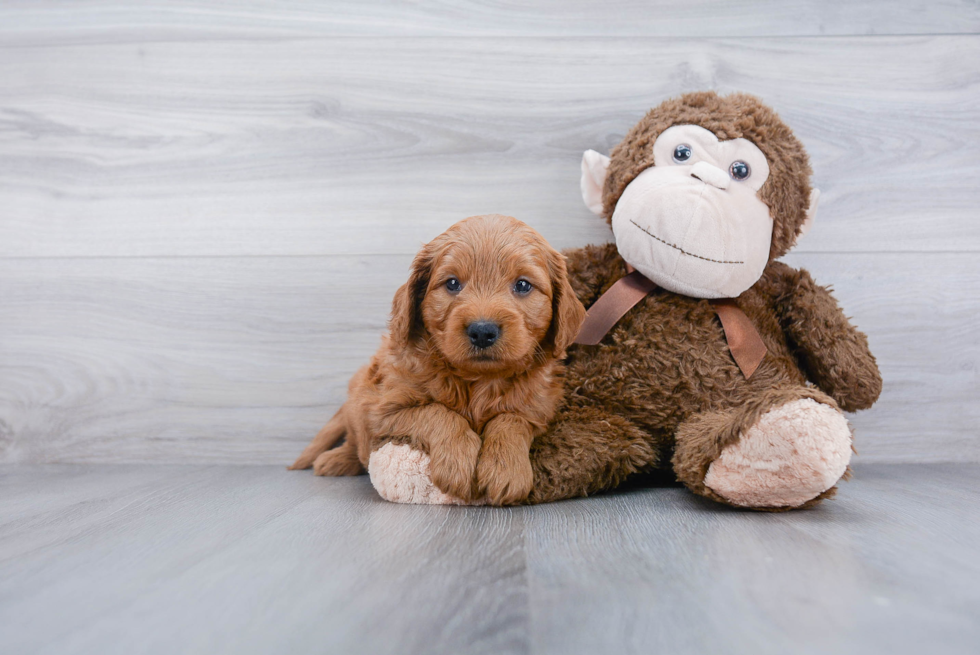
x,y
483,333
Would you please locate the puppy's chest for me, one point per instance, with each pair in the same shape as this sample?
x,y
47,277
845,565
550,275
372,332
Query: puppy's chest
x,y
479,402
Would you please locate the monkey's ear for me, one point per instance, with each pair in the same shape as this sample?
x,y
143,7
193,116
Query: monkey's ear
x,y
811,214
567,313
406,325
594,168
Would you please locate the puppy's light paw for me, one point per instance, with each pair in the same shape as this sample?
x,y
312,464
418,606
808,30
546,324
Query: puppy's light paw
x,y
504,480
453,466
453,477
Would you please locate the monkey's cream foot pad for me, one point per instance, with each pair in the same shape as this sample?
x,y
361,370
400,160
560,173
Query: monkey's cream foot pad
x,y
792,455
401,475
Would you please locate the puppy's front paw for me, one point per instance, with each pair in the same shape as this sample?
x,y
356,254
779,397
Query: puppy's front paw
x,y
453,466
505,480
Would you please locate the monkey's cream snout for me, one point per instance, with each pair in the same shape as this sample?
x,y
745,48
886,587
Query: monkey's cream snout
x,y
683,221
710,174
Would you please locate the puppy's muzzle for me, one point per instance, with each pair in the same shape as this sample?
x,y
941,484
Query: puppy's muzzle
x,y
483,334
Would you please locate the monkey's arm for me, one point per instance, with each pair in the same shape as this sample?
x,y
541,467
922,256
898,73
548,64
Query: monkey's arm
x,y
833,353
593,269
585,450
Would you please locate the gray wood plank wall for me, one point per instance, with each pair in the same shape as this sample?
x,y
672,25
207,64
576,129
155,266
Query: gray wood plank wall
x,y
206,207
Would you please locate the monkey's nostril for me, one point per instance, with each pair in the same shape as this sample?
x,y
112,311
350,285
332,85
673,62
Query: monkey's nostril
x,y
710,175
483,334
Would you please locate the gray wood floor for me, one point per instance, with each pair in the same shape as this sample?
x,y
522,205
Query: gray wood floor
x,y
221,559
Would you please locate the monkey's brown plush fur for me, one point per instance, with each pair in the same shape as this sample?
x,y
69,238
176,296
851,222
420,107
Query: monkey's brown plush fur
x,y
662,389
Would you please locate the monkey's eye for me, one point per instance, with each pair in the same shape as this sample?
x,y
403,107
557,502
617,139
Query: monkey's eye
x,y
739,171
682,153
453,285
522,287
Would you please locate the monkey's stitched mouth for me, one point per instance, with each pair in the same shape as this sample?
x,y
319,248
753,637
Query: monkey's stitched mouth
x,y
679,249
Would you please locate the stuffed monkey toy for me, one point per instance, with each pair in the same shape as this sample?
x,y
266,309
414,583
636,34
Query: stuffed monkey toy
x,y
702,354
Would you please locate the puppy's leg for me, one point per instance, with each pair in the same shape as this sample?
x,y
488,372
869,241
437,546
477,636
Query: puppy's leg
x,y
504,472
446,436
342,460
325,438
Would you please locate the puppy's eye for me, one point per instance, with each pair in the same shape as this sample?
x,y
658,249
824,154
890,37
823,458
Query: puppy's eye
x,y
453,285
739,171
522,287
682,153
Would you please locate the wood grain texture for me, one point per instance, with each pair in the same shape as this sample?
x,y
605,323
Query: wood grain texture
x,y
206,207
372,145
663,571
183,359
30,22
250,560
233,360
151,559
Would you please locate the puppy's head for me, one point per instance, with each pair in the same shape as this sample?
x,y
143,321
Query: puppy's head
x,y
490,295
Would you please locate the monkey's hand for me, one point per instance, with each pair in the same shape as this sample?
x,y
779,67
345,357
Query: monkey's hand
x,y
832,352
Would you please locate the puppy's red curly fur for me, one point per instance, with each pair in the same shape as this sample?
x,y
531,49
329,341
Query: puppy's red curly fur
x,y
474,410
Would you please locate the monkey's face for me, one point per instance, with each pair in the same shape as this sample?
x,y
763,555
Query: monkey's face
x,y
693,222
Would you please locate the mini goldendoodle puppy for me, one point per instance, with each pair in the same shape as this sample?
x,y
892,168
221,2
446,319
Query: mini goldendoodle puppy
x,y
470,370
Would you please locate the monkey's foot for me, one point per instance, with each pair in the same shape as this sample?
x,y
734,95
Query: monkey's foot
x,y
401,475
794,453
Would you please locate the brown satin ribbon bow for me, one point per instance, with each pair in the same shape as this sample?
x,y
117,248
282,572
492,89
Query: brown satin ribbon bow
x,y
744,341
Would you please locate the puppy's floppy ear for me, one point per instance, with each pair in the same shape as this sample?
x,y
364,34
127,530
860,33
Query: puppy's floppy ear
x,y
567,313
406,325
